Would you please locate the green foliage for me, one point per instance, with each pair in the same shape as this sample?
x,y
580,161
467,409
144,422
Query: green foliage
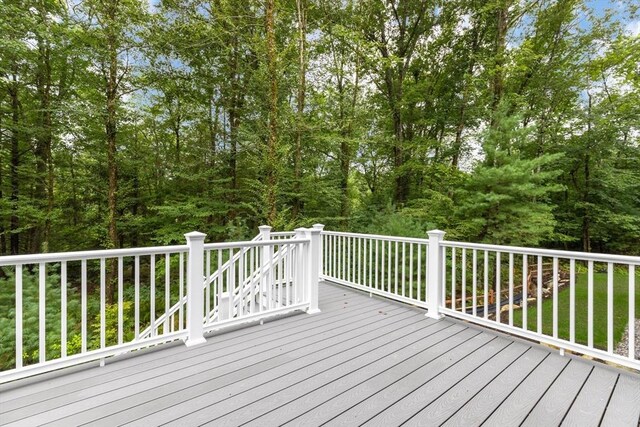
x,y
533,142
506,204
389,222
506,198
30,318
111,325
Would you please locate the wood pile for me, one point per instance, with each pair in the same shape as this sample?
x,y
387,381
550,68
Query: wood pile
x,y
547,280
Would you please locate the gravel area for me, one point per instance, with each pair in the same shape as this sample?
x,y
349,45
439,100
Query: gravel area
x,y
623,345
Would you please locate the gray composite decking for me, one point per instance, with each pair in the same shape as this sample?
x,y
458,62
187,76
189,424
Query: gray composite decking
x,y
361,361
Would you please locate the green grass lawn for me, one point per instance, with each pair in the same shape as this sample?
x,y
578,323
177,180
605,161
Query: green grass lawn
x,y
620,309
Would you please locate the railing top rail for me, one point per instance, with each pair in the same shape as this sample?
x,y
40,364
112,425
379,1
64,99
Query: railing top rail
x,y
586,256
114,253
283,233
379,237
82,255
259,243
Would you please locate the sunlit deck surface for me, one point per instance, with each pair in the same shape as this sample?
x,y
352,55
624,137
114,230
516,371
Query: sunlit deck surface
x,y
361,361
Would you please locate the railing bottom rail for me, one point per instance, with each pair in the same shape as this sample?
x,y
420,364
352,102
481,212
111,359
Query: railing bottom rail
x,y
543,339
90,356
374,291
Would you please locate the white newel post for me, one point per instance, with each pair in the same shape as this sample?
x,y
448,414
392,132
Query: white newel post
x,y
313,268
195,289
321,250
434,274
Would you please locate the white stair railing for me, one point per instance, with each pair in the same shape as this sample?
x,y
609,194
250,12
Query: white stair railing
x,y
177,307
248,287
268,277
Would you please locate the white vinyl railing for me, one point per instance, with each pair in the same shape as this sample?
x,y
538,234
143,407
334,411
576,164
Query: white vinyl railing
x,y
582,302
211,283
389,266
161,294
573,300
79,281
282,235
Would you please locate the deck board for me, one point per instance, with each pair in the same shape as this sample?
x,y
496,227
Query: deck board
x,y
245,407
204,358
555,403
477,409
41,391
458,394
590,404
312,404
408,401
624,406
514,409
413,391
165,399
361,360
333,298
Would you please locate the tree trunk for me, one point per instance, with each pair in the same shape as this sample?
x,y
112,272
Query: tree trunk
x,y
401,188
345,163
3,238
586,221
177,123
346,126
502,22
394,95
15,164
302,71
345,149
586,199
457,145
234,122
44,137
75,205
272,141
213,129
112,98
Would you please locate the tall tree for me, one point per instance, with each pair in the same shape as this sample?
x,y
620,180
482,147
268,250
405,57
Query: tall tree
x,y
272,139
301,13
394,30
111,29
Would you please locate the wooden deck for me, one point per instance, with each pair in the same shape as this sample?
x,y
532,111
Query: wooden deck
x,y
361,361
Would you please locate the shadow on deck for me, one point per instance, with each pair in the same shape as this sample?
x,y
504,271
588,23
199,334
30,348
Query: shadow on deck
x,y
361,361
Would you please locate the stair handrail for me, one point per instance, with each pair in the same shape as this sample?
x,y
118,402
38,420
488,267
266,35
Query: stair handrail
x,y
250,282
174,308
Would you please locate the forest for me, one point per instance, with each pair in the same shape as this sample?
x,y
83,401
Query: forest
x,y
127,123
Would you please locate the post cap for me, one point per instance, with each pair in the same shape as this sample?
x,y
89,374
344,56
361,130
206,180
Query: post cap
x,y
318,226
300,230
436,233
264,227
195,235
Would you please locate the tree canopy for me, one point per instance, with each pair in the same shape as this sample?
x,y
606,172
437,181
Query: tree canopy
x,y
127,122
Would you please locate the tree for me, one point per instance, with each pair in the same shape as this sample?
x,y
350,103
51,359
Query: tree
x,y
393,31
272,139
109,34
505,200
